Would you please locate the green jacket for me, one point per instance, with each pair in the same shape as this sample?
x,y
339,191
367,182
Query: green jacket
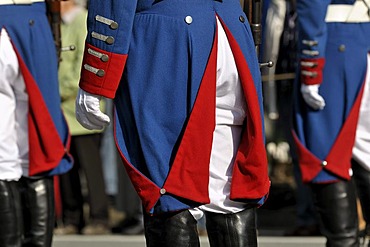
x,y
73,32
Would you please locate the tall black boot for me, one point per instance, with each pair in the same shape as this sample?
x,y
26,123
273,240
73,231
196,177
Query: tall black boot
x,y
10,215
232,230
336,205
362,180
38,211
171,230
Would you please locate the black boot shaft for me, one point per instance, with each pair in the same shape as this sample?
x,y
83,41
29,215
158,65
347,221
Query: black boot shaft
x,y
337,208
171,230
38,211
10,214
232,230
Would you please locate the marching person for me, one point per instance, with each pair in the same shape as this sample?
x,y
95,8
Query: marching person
x,y
188,122
331,110
33,133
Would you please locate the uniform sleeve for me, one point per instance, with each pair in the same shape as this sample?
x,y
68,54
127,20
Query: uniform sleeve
x,y
109,26
312,39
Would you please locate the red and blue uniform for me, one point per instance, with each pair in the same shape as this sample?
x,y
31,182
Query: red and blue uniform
x,y
337,47
157,59
30,35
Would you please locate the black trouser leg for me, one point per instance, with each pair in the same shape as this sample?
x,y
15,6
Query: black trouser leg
x,y
10,215
86,151
362,181
171,230
72,199
232,230
336,205
38,211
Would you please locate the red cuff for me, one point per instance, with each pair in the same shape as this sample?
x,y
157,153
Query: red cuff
x,y
101,71
311,70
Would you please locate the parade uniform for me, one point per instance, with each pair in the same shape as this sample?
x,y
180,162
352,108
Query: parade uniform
x,y
34,136
185,135
330,126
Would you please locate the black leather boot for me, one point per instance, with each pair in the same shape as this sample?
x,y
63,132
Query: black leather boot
x,y
38,211
232,230
171,230
336,205
10,214
362,180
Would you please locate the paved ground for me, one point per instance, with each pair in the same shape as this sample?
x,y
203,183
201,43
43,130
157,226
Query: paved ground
x,y
138,241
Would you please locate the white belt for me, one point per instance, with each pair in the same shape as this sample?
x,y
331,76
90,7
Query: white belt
x,y
12,2
358,12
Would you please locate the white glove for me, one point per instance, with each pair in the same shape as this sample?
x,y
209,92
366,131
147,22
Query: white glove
x,y
88,112
312,97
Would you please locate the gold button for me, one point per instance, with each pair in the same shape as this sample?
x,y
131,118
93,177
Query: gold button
x,y
324,163
342,48
162,191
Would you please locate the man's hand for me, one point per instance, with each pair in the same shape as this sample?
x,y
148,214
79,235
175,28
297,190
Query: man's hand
x,y
312,97
88,112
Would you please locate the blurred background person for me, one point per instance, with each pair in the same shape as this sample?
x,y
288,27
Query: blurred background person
x,y
85,144
331,109
33,133
111,166
280,46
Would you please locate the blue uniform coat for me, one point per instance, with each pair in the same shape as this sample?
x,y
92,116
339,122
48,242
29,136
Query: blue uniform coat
x,y
157,59
325,138
30,34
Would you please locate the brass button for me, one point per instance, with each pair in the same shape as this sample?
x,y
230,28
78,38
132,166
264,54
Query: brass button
x,y
324,163
104,58
342,48
109,40
241,19
188,19
100,73
113,25
162,191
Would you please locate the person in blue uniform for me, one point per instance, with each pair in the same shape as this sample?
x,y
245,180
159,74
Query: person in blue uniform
x,y
331,124
188,117
34,136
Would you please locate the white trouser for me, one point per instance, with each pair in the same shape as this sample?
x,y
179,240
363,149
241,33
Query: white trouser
x,y
230,114
361,149
13,114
